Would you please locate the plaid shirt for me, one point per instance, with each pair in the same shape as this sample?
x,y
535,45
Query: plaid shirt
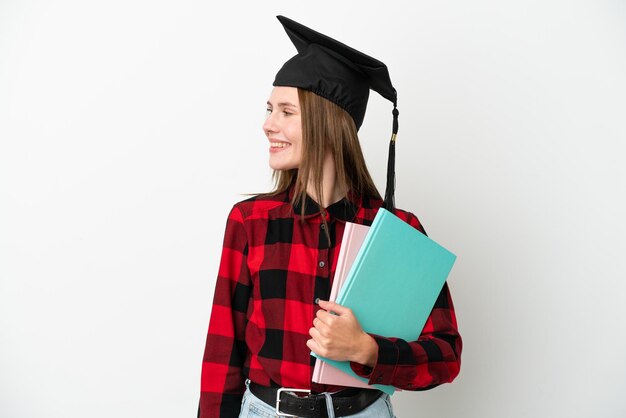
x,y
272,269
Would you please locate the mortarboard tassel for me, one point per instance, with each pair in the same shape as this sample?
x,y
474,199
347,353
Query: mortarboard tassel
x,y
389,202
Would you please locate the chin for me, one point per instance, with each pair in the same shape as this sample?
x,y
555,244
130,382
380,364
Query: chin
x,y
277,165
281,167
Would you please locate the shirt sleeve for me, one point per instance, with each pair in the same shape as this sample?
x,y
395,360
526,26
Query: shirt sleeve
x,y
222,379
433,359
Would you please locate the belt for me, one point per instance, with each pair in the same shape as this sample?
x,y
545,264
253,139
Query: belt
x,y
345,402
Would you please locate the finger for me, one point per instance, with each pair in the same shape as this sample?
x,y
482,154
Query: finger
x,y
313,346
319,325
324,330
318,336
322,341
315,334
316,348
333,307
325,317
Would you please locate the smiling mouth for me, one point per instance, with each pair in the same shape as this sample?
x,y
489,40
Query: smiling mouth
x,y
279,144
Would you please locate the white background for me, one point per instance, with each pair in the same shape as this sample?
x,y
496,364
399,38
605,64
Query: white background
x,y
129,128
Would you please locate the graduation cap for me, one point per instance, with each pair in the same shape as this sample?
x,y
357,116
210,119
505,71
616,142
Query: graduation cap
x,y
342,75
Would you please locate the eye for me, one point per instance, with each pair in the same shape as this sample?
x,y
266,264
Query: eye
x,y
287,113
268,112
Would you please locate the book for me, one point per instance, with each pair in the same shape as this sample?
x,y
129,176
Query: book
x,y
353,237
393,283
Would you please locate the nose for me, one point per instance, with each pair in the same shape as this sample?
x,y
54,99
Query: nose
x,y
270,124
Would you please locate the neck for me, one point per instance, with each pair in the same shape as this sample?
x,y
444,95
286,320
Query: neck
x,y
331,191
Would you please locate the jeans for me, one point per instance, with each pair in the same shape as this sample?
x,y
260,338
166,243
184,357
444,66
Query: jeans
x,y
253,407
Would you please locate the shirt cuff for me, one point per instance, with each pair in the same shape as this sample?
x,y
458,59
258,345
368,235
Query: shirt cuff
x,y
385,368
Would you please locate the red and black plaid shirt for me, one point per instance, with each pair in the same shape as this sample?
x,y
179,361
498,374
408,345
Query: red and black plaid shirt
x,y
272,269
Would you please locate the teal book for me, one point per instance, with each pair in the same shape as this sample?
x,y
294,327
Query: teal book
x,y
394,282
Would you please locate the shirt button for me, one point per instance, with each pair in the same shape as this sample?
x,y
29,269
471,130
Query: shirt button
x,y
322,264
323,226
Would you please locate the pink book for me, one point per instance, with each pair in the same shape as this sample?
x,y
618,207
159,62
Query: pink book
x,y
353,237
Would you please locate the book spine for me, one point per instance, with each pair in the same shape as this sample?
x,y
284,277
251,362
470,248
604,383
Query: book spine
x,y
358,261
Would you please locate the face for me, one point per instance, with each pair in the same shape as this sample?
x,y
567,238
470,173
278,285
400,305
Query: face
x,y
283,128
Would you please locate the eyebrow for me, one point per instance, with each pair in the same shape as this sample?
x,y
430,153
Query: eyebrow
x,y
283,104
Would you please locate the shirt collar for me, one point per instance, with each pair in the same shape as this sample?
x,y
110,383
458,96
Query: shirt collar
x,y
344,209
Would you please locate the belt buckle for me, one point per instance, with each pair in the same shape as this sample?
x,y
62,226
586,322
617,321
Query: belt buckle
x,y
278,392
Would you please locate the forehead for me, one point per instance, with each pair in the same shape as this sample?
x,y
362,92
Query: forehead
x,y
284,95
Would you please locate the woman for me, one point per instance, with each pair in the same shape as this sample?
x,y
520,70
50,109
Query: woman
x,y
270,306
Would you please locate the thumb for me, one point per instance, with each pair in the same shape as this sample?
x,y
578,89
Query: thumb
x,y
333,307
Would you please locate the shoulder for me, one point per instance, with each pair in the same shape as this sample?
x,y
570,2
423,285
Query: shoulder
x,y
262,206
410,218
367,213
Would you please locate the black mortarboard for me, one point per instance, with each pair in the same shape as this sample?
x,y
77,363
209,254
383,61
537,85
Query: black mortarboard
x,y
342,75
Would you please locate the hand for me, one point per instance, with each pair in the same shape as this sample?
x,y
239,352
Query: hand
x,y
338,336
